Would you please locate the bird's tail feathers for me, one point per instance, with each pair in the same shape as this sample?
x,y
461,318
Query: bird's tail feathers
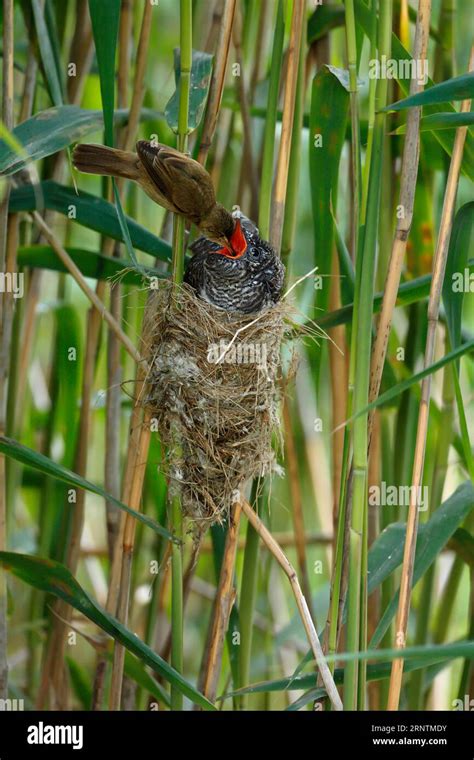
x,y
98,159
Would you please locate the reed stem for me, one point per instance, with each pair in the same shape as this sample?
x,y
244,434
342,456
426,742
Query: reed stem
x,y
248,593
6,314
223,602
217,82
176,518
281,178
356,624
439,267
265,198
302,605
351,45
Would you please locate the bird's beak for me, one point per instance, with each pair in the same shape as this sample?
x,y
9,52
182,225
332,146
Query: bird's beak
x,y
238,243
237,239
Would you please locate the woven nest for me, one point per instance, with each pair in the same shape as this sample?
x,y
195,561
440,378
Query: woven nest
x,y
213,389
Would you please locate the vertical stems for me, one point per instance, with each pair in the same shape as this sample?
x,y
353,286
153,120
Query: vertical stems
x,y
5,318
291,202
265,199
357,580
136,433
409,174
248,593
223,602
371,118
118,597
439,266
343,498
281,178
338,367
176,518
217,82
139,81
305,615
296,496
444,437
114,367
185,74
184,86
444,65
355,148
248,173
132,490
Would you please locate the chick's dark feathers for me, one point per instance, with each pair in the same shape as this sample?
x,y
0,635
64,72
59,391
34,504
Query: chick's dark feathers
x,y
247,284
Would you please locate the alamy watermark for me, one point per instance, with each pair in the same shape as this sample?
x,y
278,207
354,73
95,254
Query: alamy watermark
x,y
390,68
463,282
12,705
42,733
466,704
238,353
12,282
398,496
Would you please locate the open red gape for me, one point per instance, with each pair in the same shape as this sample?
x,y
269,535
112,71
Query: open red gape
x,y
237,241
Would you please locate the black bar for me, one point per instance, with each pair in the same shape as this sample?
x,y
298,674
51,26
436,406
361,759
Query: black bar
x,y
136,735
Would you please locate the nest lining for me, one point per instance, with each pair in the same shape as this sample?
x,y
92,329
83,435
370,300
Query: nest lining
x,y
213,389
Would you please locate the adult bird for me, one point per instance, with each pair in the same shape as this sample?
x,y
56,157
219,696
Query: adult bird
x,y
232,267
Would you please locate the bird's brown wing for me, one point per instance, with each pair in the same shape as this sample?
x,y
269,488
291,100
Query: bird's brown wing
x,y
184,183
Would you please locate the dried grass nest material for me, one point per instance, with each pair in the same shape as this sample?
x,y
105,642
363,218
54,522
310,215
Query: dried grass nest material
x,y
213,389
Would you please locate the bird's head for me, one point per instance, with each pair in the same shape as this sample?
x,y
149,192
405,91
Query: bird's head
x,y
235,244
228,233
